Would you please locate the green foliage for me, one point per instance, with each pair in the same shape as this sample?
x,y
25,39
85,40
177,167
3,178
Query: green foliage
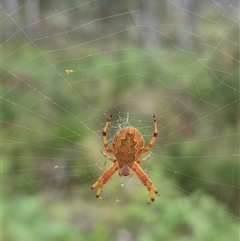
x,y
31,220
182,218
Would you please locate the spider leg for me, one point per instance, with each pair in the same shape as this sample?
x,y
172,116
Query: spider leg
x,y
107,156
147,148
145,181
144,159
105,178
104,134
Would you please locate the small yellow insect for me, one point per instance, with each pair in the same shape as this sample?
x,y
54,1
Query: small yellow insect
x,y
69,71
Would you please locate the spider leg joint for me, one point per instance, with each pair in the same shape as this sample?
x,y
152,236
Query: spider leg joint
x,y
101,198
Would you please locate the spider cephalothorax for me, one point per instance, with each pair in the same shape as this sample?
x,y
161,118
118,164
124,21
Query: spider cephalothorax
x,y
127,146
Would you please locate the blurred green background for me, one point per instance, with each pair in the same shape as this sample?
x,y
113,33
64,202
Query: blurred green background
x,y
132,59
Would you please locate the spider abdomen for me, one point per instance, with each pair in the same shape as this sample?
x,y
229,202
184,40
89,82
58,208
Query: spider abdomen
x,y
127,145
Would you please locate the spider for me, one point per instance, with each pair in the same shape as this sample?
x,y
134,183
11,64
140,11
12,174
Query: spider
x,y
127,146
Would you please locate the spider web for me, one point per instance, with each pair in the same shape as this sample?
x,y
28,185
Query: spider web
x,y
178,60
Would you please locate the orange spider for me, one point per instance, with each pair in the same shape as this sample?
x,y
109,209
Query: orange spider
x,y
128,145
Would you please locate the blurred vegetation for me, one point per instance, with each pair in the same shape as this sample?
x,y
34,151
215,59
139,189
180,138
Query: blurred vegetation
x,y
51,119
181,218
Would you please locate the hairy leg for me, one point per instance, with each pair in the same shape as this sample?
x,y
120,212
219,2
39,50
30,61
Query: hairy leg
x,y
145,181
105,178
